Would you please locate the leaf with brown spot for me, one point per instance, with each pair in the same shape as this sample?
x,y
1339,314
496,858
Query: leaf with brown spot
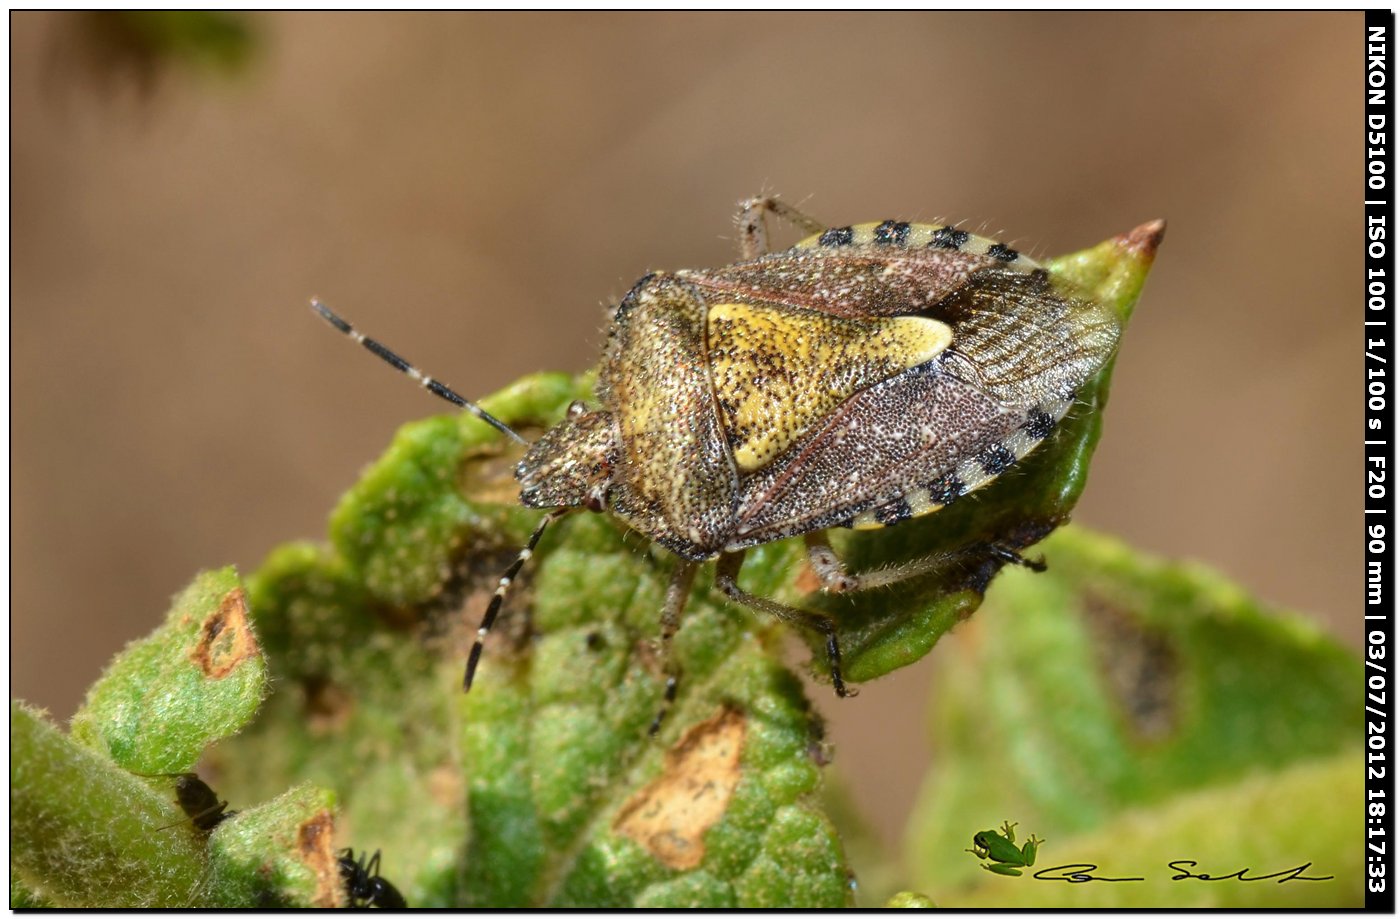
x,y
671,815
571,804
198,678
552,741
315,843
278,854
1142,710
1139,666
226,639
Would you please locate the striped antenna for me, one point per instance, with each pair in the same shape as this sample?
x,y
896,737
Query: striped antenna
x,y
502,587
422,379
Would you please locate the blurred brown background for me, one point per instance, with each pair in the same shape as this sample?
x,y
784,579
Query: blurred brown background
x,y
475,189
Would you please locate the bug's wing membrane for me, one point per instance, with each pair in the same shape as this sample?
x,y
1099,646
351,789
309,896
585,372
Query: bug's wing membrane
x,y
1026,339
898,436
677,482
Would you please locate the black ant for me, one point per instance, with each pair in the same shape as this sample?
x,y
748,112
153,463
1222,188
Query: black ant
x,y
363,885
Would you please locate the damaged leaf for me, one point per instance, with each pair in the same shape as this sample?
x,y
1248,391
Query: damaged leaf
x,y
196,679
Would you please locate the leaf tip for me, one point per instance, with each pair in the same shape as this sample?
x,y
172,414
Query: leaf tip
x,y
1142,242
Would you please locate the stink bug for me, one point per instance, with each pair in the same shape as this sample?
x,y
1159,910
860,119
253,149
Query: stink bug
x,y
870,374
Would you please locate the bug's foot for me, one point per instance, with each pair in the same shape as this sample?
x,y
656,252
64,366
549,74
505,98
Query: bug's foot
x,y
1012,557
828,568
668,701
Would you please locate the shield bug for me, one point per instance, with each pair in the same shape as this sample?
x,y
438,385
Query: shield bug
x,y
870,374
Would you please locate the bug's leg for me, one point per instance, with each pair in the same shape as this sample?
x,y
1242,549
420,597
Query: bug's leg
x,y
195,818
502,586
831,571
752,221
677,592
726,579
827,565
356,880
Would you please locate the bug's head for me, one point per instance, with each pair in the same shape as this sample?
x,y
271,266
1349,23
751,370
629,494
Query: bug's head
x,y
572,464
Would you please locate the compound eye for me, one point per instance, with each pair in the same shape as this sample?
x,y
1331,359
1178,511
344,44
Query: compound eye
x,y
576,408
594,503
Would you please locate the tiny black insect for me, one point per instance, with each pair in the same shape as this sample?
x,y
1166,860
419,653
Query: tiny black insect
x,y
199,802
363,885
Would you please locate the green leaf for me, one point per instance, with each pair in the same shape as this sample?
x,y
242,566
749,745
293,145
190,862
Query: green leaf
x,y
280,854
547,761
87,833
442,494
21,897
96,818
198,678
1087,701
366,706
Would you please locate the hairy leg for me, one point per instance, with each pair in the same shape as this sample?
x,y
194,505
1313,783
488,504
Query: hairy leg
x,y
726,579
